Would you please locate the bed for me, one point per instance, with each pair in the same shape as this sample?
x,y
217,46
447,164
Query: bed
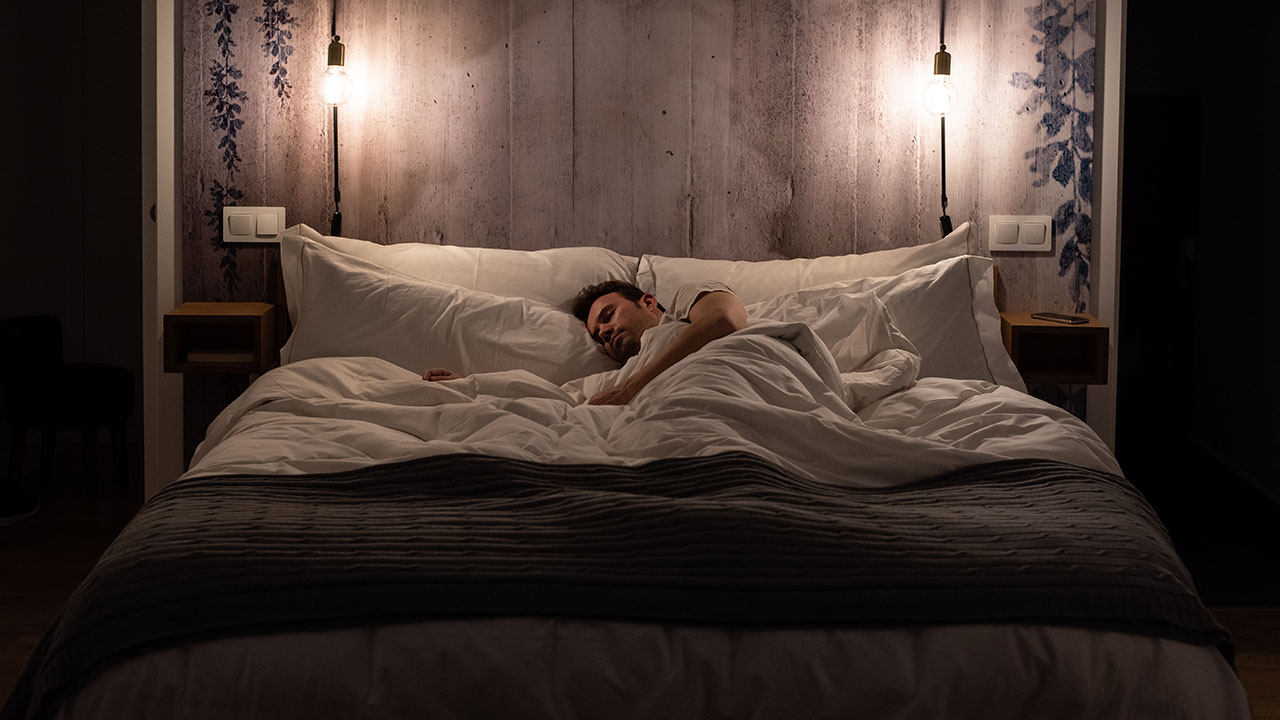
x,y
849,508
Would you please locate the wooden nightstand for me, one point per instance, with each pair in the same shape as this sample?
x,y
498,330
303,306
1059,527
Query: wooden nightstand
x,y
217,337
1054,353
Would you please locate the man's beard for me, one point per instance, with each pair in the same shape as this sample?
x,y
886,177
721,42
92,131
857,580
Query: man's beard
x,y
624,347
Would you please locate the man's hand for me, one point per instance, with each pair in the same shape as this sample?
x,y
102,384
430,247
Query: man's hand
x,y
440,375
619,395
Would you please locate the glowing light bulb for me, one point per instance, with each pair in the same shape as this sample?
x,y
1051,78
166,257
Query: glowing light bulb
x,y
940,95
336,85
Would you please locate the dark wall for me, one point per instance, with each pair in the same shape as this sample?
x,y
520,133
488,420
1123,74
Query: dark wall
x,y
72,182
1199,356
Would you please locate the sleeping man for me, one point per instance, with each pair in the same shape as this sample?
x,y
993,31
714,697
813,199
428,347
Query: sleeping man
x,y
620,317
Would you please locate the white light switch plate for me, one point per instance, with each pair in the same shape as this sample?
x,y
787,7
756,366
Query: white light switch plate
x,y
1020,233
252,224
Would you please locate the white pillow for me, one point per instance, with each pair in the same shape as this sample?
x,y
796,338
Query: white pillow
x,y
552,276
760,281
948,312
352,307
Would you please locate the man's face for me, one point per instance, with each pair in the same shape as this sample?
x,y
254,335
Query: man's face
x,y
617,323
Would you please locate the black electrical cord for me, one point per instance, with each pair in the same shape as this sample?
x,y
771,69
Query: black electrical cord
x,y
335,223
945,220
942,22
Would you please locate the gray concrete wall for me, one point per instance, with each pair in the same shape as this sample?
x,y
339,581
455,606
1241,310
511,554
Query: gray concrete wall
x,y
710,128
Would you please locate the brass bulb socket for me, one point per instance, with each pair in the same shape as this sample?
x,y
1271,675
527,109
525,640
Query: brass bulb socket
x,y
337,52
941,62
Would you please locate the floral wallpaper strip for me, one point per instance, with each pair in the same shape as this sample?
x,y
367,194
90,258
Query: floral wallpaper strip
x,y
276,21
225,101
1059,93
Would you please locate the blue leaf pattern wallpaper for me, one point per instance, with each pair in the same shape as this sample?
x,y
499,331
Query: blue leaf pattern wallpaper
x,y
1066,158
225,101
276,21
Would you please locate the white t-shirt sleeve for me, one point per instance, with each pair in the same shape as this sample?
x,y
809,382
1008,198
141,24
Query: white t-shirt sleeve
x,y
688,295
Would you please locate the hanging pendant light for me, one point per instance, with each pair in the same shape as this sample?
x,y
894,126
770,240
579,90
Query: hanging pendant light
x,y
941,98
335,88
940,94
336,83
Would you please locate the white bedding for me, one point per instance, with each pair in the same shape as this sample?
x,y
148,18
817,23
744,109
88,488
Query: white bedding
x,y
772,389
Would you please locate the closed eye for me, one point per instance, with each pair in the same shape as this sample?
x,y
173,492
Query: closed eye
x,y
603,317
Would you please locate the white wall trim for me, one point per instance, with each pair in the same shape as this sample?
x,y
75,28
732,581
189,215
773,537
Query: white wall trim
x,y
1109,140
162,249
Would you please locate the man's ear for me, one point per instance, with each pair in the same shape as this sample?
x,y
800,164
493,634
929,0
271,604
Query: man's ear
x,y
650,303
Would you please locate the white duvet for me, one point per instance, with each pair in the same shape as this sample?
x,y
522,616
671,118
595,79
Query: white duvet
x,y
772,389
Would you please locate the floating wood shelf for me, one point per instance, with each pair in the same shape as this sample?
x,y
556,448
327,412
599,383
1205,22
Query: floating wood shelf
x,y
1055,353
219,337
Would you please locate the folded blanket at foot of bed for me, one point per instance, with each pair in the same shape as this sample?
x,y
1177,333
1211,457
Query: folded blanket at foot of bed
x,y
726,539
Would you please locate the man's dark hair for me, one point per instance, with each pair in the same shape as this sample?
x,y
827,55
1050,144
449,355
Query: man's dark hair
x,y
589,294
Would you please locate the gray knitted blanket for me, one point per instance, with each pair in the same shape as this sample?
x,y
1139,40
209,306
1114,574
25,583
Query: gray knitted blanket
x,y
727,539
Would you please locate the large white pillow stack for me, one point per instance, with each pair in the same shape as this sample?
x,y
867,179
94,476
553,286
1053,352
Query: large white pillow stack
x,y
424,311
760,281
349,306
552,277
948,312
938,296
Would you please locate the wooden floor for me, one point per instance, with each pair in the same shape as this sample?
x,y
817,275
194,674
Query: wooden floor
x,y
1257,635
44,558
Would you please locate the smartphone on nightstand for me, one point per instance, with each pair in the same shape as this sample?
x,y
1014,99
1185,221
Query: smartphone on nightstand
x,y
1060,318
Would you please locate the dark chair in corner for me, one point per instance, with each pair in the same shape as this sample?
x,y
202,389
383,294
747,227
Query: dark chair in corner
x,y
39,391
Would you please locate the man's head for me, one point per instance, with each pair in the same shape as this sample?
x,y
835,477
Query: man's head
x,y
617,314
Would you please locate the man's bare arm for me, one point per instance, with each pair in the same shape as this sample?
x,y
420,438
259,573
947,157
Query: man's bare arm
x,y
713,315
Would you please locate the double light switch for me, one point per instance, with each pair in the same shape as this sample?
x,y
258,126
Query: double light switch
x,y
1020,233
252,224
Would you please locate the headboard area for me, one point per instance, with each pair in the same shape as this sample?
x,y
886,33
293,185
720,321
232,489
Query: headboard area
x,y
708,128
